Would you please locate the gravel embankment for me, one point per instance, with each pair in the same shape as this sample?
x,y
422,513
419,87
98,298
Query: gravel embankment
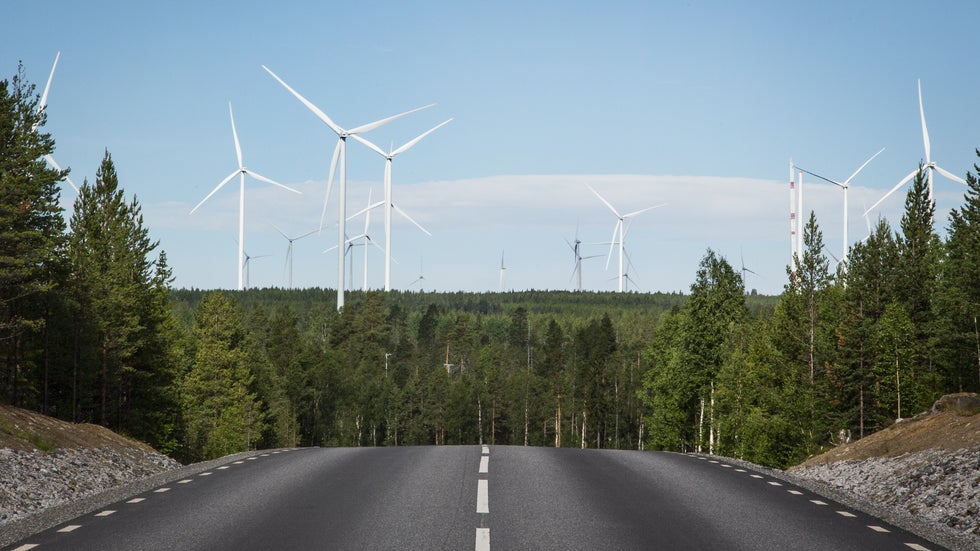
x,y
34,481
934,490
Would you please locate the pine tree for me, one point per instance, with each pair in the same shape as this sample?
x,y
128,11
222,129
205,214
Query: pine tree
x,y
31,235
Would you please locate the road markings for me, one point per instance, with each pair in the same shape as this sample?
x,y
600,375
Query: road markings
x,y
206,473
26,547
881,529
70,528
917,547
817,502
250,458
727,466
185,481
486,450
774,483
161,490
484,464
756,476
136,500
482,539
740,470
105,513
237,462
223,467
847,514
482,500
795,492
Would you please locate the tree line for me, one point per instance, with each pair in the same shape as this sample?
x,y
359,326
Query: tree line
x,y
91,330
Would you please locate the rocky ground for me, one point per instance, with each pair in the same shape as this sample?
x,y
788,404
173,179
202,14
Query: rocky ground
x,y
921,474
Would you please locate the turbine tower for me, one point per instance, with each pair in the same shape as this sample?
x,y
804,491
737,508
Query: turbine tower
x,y
844,185
503,271
577,251
40,108
339,152
618,237
389,205
930,166
241,171
365,237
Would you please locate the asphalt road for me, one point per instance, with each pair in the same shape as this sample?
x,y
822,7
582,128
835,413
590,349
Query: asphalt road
x,y
475,497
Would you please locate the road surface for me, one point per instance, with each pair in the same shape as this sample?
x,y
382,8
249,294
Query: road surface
x,y
475,497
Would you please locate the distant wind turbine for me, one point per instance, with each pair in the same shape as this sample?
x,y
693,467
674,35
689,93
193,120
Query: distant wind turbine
x,y
241,171
289,252
930,166
844,185
246,264
421,277
40,108
339,152
618,236
389,205
366,236
503,271
577,251
744,269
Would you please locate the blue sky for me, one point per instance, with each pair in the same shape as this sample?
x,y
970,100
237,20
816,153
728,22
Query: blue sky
x,y
696,104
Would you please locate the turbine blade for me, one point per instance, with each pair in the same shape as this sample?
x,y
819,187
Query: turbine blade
x,y
925,133
410,144
372,125
860,168
612,242
603,199
309,105
409,218
368,208
282,233
893,190
238,147
258,176
641,211
333,167
949,174
370,145
215,190
47,87
54,164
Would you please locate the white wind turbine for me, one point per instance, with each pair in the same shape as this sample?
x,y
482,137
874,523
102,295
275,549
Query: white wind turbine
x,y
289,252
339,152
366,236
246,264
421,275
845,185
930,166
618,237
389,205
241,171
40,107
503,272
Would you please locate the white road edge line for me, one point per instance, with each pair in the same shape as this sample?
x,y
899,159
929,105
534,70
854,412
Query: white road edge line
x,y
482,500
917,547
136,500
26,547
161,490
482,539
484,464
881,529
847,514
105,513
817,502
70,528
795,492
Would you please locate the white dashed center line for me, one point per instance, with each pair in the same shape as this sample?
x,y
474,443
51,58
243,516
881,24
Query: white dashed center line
x,y
486,450
482,500
482,539
484,464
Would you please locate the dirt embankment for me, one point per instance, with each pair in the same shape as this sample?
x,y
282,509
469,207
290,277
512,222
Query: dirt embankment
x,y
23,430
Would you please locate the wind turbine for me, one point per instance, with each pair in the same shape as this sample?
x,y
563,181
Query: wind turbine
x,y
745,270
618,236
577,251
339,152
844,185
421,274
389,206
289,251
40,107
366,237
930,166
241,171
246,264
